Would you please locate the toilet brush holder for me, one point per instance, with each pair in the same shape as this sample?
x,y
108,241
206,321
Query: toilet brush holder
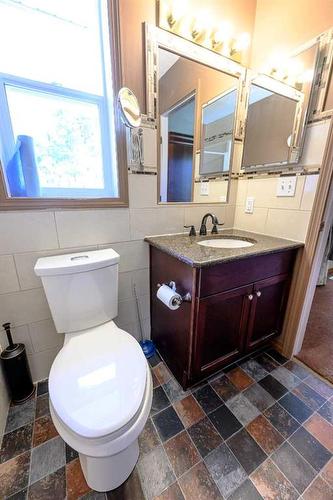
x,y
16,369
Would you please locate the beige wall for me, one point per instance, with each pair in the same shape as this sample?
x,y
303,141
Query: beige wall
x,y
283,25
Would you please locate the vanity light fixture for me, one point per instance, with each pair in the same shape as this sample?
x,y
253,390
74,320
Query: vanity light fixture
x,y
239,45
174,16
288,70
171,14
200,28
221,38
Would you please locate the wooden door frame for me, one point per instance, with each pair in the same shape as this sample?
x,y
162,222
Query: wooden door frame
x,y
300,297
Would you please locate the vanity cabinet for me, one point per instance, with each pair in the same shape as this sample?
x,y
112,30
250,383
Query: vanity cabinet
x,y
236,307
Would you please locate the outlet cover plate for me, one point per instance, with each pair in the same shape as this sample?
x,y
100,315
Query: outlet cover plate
x,y
204,188
286,186
249,205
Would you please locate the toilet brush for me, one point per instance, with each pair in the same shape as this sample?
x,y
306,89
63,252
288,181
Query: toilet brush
x,y
147,345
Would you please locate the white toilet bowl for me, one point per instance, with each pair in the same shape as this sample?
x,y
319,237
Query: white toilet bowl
x,y
103,429
100,384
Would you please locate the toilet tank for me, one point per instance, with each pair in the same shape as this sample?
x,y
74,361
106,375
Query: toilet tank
x,y
81,288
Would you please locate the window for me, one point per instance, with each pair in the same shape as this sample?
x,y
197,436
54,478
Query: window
x,y
58,128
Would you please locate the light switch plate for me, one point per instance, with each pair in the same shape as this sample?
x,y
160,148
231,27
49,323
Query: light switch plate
x,y
204,188
249,205
286,186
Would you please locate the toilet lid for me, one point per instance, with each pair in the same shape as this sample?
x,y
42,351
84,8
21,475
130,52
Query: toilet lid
x,y
97,380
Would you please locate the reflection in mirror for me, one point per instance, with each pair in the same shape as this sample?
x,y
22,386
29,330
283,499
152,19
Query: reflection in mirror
x,y
269,127
196,109
304,63
218,118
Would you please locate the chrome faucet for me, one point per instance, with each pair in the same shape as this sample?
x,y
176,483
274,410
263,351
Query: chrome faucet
x,y
215,222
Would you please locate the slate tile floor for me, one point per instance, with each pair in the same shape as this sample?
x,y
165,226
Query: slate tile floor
x,y
262,428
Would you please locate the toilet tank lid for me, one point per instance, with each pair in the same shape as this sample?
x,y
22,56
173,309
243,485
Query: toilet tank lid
x,y
76,262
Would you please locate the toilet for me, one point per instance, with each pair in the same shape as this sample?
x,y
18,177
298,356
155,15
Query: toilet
x,y
100,385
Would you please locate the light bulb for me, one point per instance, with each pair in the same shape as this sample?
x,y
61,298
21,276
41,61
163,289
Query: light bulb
x,y
171,13
222,36
242,42
201,25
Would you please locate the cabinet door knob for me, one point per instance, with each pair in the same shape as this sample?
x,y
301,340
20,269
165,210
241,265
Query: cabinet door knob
x,y
258,293
250,296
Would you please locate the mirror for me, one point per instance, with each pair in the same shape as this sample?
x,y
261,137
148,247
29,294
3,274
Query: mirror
x,y
269,127
277,112
196,114
129,108
217,125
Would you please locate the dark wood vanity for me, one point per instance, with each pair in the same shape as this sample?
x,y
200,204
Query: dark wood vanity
x,y
237,306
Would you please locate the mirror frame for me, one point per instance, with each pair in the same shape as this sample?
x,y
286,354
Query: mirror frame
x,y
322,77
157,38
278,87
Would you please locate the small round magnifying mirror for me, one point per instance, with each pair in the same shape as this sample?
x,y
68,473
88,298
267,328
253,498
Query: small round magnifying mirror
x,y
129,107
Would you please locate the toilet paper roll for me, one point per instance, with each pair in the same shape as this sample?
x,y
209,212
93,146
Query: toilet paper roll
x,y
169,297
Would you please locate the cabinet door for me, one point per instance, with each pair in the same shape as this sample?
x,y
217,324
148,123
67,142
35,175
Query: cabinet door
x,y
221,326
267,310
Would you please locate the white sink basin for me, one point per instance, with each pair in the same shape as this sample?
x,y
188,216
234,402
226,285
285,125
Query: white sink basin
x,y
226,243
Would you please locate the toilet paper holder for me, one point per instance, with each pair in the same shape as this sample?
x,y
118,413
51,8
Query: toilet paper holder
x,y
183,298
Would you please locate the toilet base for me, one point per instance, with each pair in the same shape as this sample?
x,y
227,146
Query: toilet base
x,y
107,473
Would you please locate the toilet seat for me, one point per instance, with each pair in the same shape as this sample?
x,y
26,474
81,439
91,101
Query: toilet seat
x,y
98,380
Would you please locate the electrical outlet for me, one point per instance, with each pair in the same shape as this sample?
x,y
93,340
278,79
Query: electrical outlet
x,y
249,205
286,186
204,188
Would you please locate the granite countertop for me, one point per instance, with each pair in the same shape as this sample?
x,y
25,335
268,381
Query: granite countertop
x,y
186,248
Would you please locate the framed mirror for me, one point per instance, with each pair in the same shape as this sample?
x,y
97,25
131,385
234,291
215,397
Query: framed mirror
x,y
194,95
321,106
272,123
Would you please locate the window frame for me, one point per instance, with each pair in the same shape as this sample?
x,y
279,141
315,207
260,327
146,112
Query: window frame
x,y
24,203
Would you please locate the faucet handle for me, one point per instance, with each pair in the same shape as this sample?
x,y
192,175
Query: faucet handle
x,y
215,230
192,230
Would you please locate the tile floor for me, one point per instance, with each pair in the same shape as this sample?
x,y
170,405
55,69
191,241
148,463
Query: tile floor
x,y
262,428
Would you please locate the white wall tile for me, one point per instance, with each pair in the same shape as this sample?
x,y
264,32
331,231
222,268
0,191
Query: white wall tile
x,y
144,304
44,335
161,220
41,362
290,224
142,191
229,217
133,254
264,193
8,276
21,308
25,263
125,286
27,231
233,192
141,280
92,227
242,185
309,192
251,222
127,312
